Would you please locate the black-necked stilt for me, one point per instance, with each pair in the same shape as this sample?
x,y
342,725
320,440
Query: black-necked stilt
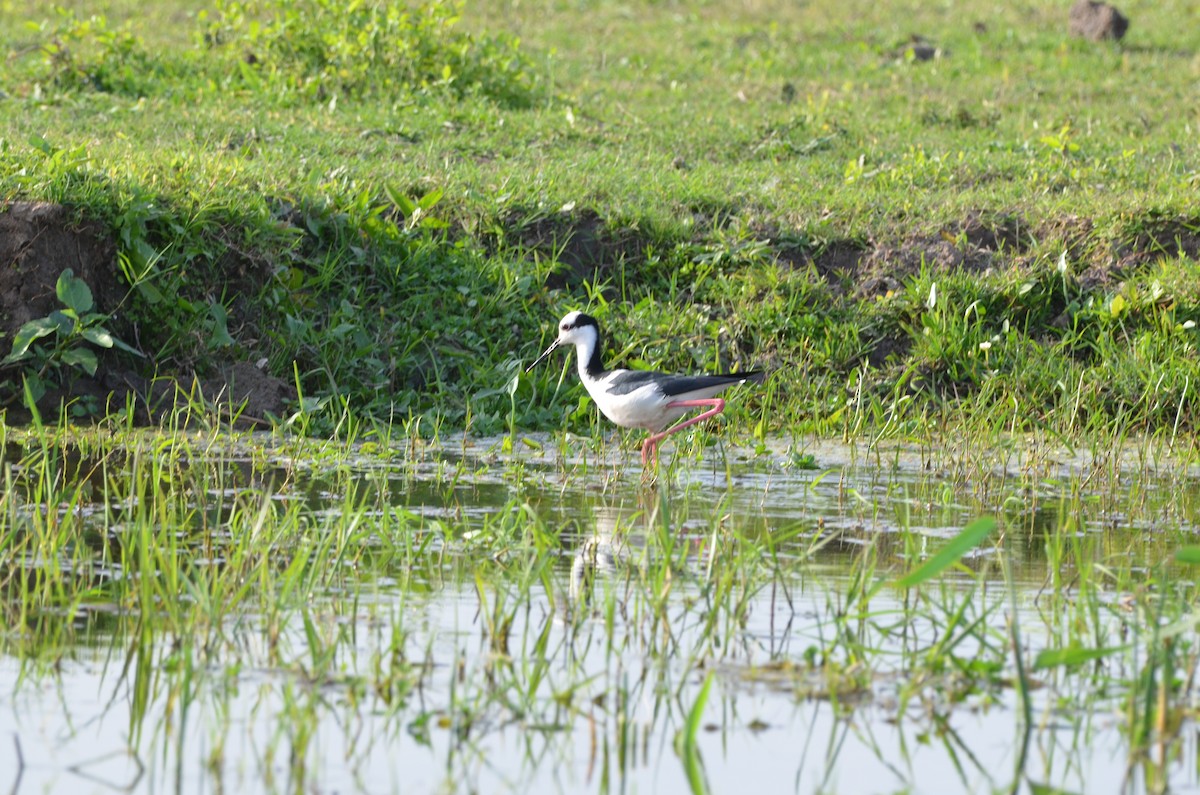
x,y
641,398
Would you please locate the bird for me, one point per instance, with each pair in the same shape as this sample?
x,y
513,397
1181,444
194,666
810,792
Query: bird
x,y
641,398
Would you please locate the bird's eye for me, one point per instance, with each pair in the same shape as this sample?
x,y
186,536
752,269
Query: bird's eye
x,y
566,326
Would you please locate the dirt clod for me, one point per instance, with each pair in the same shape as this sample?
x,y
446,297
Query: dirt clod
x,y
1097,21
250,391
38,242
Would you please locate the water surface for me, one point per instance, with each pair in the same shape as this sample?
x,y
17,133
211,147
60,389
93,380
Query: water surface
x,y
545,621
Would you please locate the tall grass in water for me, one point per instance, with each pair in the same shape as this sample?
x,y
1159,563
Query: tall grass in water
x,y
445,595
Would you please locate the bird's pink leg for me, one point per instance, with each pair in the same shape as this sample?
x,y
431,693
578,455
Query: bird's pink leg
x,y
649,446
651,443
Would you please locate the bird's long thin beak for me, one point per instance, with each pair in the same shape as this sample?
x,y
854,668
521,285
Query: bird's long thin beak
x,y
545,353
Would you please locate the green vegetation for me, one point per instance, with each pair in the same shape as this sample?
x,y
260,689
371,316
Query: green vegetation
x,y
392,204
392,594
75,330
979,270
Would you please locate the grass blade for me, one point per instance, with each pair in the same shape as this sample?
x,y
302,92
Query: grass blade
x,y
685,741
968,538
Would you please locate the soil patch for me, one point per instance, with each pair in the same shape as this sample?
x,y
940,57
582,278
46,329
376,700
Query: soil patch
x,y
38,241
977,245
1096,21
579,240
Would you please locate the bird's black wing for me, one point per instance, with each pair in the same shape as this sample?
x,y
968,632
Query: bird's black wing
x,y
622,382
682,384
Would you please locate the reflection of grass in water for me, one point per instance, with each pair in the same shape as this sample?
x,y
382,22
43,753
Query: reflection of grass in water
x,y
685,741
202,566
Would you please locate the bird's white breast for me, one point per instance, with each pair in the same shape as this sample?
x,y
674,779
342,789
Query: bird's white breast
x,y
644,407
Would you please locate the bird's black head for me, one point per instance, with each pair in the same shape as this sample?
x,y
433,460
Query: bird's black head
x,y
580,329
576,320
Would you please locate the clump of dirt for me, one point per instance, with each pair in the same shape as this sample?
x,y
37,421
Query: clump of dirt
x,y
249,390
1107,261
838,262
917,49
1096,21
979,243
975,246
240,394
579,240
38,242
1167,237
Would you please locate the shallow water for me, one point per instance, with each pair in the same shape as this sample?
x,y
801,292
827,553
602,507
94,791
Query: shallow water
x,y
488,659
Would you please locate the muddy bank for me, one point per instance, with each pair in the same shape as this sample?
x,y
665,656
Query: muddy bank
x,y
39,241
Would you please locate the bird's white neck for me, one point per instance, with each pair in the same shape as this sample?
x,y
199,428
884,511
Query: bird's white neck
x,y
585,352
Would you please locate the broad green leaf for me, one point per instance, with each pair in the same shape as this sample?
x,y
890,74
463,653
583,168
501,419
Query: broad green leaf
x,y
41,144
123,347
1117,306
696,713
64,320
83,358
429,199
402,202
1189,555
98,335
812,484
1072,655
220,338
220,333
74,293
686,742
968,538
151,293
1048,789
33,330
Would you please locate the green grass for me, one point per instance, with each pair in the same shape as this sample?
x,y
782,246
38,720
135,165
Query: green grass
x,y
198,563
772,185
980,270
